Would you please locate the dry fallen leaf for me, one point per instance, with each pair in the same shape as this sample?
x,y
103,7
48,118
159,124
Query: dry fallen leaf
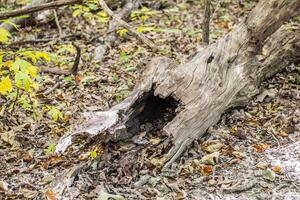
x,y
283,134
3,186
50,194
207,170
261,147
9,137
277,169
239,154
213,147
211,159
27,157
262,165
269,174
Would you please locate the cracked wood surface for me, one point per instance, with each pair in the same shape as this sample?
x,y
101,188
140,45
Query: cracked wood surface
x,y
218,77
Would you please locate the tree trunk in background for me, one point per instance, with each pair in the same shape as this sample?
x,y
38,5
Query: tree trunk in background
x,y
218,77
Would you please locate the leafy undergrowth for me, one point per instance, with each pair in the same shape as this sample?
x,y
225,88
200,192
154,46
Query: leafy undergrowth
x,y
238,150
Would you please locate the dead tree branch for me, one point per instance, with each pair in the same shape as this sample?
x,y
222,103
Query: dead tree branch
x,y
127,26
222,75
36,8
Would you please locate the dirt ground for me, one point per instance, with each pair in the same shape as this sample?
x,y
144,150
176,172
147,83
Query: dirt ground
x,y
252,153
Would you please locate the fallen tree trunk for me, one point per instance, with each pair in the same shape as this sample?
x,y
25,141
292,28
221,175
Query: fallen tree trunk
x,y
218,77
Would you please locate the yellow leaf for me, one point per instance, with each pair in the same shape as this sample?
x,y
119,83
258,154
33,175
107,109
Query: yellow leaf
x,y
5,85
122,32
4,35
43,55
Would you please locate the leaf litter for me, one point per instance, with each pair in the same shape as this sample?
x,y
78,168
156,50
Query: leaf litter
x,y
252,153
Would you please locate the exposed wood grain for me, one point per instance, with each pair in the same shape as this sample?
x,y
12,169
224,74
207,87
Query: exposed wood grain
x,y
218,77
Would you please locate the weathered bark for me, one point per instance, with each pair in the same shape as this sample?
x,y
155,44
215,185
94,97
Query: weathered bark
x,y
218,77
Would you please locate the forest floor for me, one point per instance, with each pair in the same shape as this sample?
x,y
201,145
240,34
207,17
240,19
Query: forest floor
x,y
252,153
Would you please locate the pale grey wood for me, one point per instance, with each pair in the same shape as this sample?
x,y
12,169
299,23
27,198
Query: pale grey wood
x,y
218,77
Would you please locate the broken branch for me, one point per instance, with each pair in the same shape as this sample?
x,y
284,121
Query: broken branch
x,y
127,26
32,9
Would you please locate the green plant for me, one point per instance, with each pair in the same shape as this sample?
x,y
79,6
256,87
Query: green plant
x,y
90,10
50,149
143,14
55,113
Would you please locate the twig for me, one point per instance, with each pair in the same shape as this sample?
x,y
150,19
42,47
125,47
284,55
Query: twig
x,y
15,101
206,22
238,187
127,26
111,35
57,24
74,69
216,9
55,71
35,8
56,85
45,40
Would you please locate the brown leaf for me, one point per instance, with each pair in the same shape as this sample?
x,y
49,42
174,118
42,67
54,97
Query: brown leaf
x,y
211,159
277,169
50,194
262,165
3,186
207,170
261,147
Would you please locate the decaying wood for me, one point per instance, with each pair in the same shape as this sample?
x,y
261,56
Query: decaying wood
x,y
218,77
38,7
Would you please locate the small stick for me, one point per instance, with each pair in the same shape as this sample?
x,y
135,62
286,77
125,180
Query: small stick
x,y
57,24
74,69
51,89
32,9
127,26
206,22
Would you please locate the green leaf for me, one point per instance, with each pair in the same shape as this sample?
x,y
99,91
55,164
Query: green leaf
x,y
5,85
4,35
124,57
25,67
50,149
22,79
142,29
9,22
77,12
43,55
55,113
93,154
131,69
